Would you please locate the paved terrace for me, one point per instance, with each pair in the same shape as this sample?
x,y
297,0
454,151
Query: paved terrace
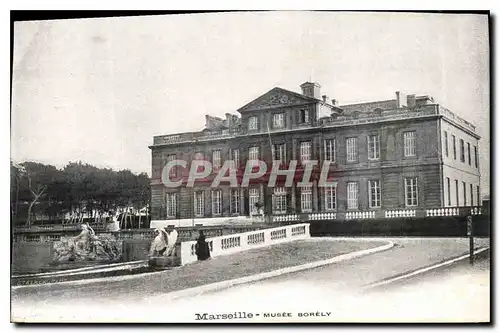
x,y
409,254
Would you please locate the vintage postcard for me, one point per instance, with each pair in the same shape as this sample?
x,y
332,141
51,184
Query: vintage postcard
x,y
251,167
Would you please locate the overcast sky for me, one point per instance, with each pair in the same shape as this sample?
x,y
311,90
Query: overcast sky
x,y
98,90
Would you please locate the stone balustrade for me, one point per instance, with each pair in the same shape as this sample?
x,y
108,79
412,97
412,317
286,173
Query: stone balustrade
x,y
347,120
322,216
450,115
58,227
400,213
224,245
359,215
475,211
286,218
449,211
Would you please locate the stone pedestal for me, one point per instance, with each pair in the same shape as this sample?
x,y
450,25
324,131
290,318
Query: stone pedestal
x,y
164,262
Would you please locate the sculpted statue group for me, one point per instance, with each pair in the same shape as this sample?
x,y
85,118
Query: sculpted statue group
x,y
87,246
163,244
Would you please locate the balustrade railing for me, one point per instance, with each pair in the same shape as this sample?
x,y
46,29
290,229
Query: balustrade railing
x,y
359,215
400,213
257,238
229,244
448,211
475,211
300,230
322,216
286,218
277,234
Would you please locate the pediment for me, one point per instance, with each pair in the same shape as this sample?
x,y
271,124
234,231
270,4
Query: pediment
x,y
277,97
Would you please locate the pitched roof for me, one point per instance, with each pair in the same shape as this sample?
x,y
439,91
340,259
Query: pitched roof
x,y
295,99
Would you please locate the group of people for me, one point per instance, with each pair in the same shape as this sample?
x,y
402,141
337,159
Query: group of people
x,y
164,244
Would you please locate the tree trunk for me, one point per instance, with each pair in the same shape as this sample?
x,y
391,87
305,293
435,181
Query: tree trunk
x,y
125,218
37,196
140,219
122,220
28,222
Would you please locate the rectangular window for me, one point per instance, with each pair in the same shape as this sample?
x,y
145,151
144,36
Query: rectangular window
x,y
475,156
374,193
468,153
171,204
199,203
279,200
252,123
373,147
216,202
279,153
352,149
330,198
454,143
173,171
446,143
216,160
306,199
199,156
253,154
462,151
329,148
235,201
409,143
305,151
411,192
448,187
278,120
457,196
352,195
304,116
464,188
471,195
234,155
254,198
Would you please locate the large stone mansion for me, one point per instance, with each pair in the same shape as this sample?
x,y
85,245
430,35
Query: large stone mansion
x,y
405,153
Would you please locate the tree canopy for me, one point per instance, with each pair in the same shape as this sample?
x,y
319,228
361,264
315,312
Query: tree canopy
x,y
40,189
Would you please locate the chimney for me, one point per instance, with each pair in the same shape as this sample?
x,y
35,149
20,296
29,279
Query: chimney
x,y
229,119
311,89
208,122
325,98
334,102
400,100
411,102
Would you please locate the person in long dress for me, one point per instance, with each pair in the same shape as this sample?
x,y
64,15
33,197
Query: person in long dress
x,y
202,247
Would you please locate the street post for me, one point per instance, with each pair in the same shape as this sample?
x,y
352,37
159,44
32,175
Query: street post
x,y
471,239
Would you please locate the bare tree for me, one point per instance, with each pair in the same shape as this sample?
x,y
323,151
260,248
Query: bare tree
x,y
37,193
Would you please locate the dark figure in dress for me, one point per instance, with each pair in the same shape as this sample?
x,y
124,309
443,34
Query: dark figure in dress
x,y
202,247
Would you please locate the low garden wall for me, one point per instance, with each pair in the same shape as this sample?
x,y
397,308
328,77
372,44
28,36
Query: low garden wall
x,y
33,251
431,226
224,245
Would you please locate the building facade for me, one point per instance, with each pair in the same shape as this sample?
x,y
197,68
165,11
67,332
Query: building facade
x,y
405,153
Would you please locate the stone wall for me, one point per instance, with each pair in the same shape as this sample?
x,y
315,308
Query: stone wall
x,y
30,257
